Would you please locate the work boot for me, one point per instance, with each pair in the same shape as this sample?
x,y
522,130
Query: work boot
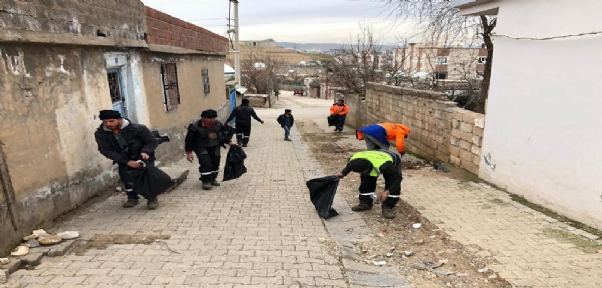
x,y
388,213
130,203
215,183
207,186
361,207
244,145
152,204
287,139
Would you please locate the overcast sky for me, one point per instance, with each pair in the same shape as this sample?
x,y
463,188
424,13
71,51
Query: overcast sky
x,y
301,21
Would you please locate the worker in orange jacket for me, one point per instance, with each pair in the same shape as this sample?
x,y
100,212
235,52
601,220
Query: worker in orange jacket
x,y
378,136
339,111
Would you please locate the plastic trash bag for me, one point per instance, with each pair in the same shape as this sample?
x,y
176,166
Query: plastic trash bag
x,y
235,163
226,134
149,181
321,193
332,121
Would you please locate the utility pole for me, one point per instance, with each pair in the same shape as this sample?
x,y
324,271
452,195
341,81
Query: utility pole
x,y
236,44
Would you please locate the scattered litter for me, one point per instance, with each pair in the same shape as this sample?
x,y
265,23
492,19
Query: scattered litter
x,y
50,239
349,231
417,225
444,273
364,251
418,266
393,249
68,235
119,189
408,253
381,235
39,232
483,270
389,254
492,276
433,237
439,166
384,230
379,263
20,251
33,243
4,261
419,242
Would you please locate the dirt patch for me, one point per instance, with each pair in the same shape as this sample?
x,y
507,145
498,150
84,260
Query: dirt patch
x,y
392,238
101,242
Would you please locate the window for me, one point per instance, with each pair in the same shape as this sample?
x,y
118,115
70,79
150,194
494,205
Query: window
x,y
442,60
206,86
440,76
482,60
171,92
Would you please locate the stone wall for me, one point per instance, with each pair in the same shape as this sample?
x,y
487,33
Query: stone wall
x,y
122,19
167,30
258,100
439,129
466,139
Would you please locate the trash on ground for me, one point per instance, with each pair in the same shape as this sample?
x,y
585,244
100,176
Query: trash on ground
x,y
379,263
483,270
4,261
20,251
417,225
68,235
408,253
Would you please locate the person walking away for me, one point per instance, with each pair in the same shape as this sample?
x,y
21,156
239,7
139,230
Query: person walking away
x,y
370,164
378,136
126,143
286,121
243,114
204,138
339,110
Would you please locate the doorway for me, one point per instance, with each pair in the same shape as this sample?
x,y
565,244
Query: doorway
x,y
116,91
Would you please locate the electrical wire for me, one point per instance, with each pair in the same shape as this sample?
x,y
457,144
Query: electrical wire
x,y
547,38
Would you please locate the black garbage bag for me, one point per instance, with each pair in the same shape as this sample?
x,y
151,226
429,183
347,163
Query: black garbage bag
x,y
235,163
226,135
149,181
321,193
332,120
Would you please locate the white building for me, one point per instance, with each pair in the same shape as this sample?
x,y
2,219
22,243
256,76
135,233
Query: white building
x,y
544,119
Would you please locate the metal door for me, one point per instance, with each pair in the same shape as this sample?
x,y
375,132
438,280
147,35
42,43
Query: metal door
x,y
232,101
116,91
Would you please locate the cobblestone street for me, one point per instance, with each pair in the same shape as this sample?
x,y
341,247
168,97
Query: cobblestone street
x,y
261,230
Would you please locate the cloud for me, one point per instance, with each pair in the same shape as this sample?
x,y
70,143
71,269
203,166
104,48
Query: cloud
x,y
286,20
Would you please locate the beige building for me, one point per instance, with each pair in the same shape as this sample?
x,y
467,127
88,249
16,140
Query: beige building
x,y
58,73
439,62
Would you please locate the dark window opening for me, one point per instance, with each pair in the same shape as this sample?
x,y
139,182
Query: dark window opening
x,y
440,76
171,91
100,33
206,86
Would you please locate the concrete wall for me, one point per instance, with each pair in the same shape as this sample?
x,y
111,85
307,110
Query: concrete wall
x,y
114,19
50,98
543,119
258,100
438,128
192,98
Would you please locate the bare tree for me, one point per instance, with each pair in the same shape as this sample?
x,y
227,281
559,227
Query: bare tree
x,y
260,72
439,22
360,64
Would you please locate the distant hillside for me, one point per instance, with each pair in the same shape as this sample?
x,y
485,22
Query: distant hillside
x,y
319,46
285,55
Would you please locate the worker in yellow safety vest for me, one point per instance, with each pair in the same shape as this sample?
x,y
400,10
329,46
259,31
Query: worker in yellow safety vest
x,y
370,164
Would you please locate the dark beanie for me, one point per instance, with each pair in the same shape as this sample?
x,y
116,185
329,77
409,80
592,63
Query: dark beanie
x,y
359,165
245,101
287,110
109,114
210,113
